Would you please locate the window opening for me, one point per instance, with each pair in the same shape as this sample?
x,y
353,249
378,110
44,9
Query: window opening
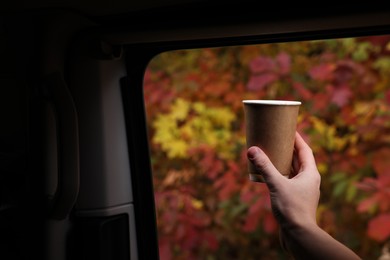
x,y
206,207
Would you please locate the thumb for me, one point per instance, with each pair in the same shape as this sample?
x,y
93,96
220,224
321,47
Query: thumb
x,y
264,165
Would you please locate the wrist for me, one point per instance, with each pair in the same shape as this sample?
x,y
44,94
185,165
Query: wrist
x,y
309,241
295,232
298,223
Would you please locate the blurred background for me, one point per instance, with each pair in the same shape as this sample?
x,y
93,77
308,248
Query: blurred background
x,y
206,207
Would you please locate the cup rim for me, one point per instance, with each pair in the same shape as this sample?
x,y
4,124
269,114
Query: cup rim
x,y
271,102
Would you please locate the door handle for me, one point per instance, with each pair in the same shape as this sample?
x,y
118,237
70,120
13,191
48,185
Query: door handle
x,y
68,170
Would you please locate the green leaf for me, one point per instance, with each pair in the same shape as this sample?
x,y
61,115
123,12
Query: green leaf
x,y
362,52
338,176
382,64
339,188
238,210
351,192
224,204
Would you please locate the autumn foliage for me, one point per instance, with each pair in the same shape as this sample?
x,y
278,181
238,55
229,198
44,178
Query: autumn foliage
x,y
206,207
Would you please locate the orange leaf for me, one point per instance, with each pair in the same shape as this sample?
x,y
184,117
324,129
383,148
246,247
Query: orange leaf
x,y
381,161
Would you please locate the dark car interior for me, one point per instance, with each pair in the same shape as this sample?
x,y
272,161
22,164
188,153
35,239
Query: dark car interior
x,y
75,170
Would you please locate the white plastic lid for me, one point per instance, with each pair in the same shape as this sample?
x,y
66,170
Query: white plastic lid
x,y
272,102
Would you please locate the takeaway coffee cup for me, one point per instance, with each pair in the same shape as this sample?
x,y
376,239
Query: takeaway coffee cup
x,y
271,125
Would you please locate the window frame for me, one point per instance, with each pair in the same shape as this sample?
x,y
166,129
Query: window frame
x,y
141,46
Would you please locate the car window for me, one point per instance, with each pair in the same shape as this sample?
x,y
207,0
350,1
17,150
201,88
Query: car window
x,y
206,206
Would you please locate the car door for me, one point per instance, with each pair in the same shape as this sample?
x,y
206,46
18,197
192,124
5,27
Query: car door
x,y
76,178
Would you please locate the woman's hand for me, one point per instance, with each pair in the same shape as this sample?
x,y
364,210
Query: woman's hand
x,y
294,203
295,200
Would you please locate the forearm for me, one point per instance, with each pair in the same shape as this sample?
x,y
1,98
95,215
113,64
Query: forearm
x,y
311,242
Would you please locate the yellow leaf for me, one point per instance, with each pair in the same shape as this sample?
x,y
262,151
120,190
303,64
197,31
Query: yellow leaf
x,y
197,204
177,132
322,168
320,210
177,149
319,125
187,132
180,109
199,107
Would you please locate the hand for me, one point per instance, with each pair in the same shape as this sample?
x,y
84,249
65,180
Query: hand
x,y
294,202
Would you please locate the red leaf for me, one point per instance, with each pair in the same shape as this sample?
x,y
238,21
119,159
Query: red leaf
x,y
226,185
380,40
366,204
269,223
381,161
384,200
387,96
258,209
180,233
233,167
348,115
262,64
341,96
247,196
191,239
258,82
321,101
165,250
322,72
302,91
367,184
252,222
209,162
284,63
379,227
216,169
345,71
211,240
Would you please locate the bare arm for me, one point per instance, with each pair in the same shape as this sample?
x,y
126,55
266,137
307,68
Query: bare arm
x,y
294,203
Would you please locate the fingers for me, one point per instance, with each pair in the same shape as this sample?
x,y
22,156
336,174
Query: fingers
x,y
304,153
296,165
303,160
306,160
263,164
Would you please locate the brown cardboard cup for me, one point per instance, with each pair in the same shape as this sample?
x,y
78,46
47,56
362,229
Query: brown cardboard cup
x,y
271,125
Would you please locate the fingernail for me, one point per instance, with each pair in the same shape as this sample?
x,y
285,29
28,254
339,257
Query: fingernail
x,y
252,152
